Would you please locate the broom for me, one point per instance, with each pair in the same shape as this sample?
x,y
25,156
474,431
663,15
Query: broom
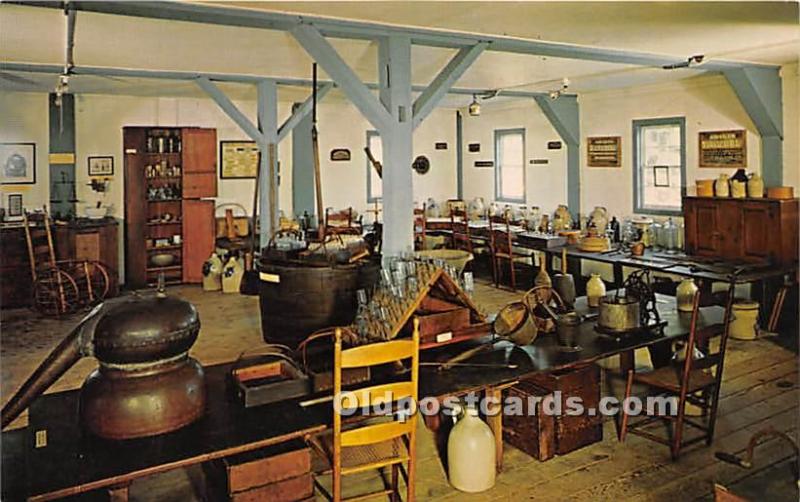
x,y
249,283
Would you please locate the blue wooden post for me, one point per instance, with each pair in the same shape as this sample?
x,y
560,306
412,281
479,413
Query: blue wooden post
x,y
563,113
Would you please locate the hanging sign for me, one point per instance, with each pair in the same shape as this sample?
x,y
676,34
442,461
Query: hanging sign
x,y
723,148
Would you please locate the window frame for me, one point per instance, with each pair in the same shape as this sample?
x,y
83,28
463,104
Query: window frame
x,y
638,125
371,171
498,196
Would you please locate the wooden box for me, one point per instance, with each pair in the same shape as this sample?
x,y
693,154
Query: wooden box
x,y
433,327
268,381
278,473
533,431
322,381
577,430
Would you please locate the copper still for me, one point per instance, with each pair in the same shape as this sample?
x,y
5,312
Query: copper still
x,y
146,383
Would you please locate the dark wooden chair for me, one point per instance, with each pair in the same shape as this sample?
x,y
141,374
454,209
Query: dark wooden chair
x,y
420,227
502,249
695,380
459,226
341,222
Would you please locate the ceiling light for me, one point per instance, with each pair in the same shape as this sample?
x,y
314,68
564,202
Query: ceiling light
x,y
691,61
474,107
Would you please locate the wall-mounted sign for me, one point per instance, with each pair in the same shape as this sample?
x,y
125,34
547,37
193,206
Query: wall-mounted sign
x,y
474,147
723,148
554,145
238,159
441,145
539,162
340,155
484,163
604,151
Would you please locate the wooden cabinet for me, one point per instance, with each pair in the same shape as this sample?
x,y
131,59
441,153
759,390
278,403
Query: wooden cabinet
x,y
743,229
167,172
199,228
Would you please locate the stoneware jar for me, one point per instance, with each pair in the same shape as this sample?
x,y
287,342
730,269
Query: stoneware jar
x,y
685,295
745,320
721,186
738,189
477,209
471,454
755,186
595,290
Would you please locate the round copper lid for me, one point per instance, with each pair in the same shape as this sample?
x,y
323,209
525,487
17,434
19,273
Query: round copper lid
x,y
148,329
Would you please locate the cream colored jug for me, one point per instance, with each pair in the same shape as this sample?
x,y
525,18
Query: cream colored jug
x,y
685,295
738,189
232,276
212,273
595,290
755,186
721,186
471,454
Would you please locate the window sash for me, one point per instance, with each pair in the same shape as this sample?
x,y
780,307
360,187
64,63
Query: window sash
x,y
510,172
653,147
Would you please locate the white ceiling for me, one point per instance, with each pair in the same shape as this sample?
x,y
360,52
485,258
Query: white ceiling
x,y
766,32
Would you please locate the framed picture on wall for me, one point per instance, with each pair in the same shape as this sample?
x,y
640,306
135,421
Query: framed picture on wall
x,y
604,151
14,207
18,163
101,166
238,159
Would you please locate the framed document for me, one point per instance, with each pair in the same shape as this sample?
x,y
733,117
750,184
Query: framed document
x,y
101,166
238,159
723,148
604,151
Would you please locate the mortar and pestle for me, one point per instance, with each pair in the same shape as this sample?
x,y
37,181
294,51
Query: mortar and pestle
x,y
564,283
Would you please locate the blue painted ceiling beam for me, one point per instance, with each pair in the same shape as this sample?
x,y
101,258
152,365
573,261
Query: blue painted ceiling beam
x,y
563,114
437,89
231,110
226,77
326,56
339,28
760,92
301,111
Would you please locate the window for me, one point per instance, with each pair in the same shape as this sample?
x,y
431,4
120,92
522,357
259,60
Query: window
x,y
659,160
374,183
509,162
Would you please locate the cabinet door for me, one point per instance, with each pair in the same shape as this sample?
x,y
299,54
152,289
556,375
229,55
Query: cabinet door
x,y
702,228
198,237
758,230
135,221
199,157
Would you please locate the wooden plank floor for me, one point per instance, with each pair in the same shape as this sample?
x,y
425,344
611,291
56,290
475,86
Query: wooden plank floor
x,y
760,389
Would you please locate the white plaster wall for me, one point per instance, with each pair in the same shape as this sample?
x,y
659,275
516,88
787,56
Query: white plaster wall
x,y
24,119
545,185
707,103
791,127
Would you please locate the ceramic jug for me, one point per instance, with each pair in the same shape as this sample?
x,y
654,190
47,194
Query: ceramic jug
x,y
721,186
494,209
738,189
477,209
471,454
232,276
432,208
755,186
684,295
212,273
562,219
595,290
598,219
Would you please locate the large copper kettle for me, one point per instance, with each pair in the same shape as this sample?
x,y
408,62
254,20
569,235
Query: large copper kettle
x,y
145,384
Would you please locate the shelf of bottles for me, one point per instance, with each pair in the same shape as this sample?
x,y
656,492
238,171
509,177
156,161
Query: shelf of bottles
x,y
163,176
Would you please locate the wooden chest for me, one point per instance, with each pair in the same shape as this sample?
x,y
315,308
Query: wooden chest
x,y
532,431
280,473
742,229
576,430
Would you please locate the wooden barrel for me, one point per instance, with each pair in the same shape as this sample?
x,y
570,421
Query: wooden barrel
x,y
297,299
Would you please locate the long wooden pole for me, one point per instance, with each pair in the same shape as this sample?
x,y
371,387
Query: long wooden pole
x,y
317,172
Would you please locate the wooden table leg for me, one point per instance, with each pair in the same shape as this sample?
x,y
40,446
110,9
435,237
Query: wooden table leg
x,y
495,421
627,362
118,493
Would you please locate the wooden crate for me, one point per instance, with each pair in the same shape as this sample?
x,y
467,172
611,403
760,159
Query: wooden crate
x,y
266,380
534,431
434,327
574,431
280,472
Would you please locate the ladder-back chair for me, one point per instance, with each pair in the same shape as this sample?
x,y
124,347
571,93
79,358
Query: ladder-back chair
x,y
459,226
365,444
502,249
695,380
420,226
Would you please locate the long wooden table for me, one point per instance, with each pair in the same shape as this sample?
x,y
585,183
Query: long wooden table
x,y
54,457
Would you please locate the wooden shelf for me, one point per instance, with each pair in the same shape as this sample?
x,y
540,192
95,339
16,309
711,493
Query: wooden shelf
x,y
164,178
171,247
162,223
164,200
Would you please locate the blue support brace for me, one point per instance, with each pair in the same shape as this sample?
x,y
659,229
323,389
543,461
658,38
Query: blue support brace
x,y
563,113
301,111
760,93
